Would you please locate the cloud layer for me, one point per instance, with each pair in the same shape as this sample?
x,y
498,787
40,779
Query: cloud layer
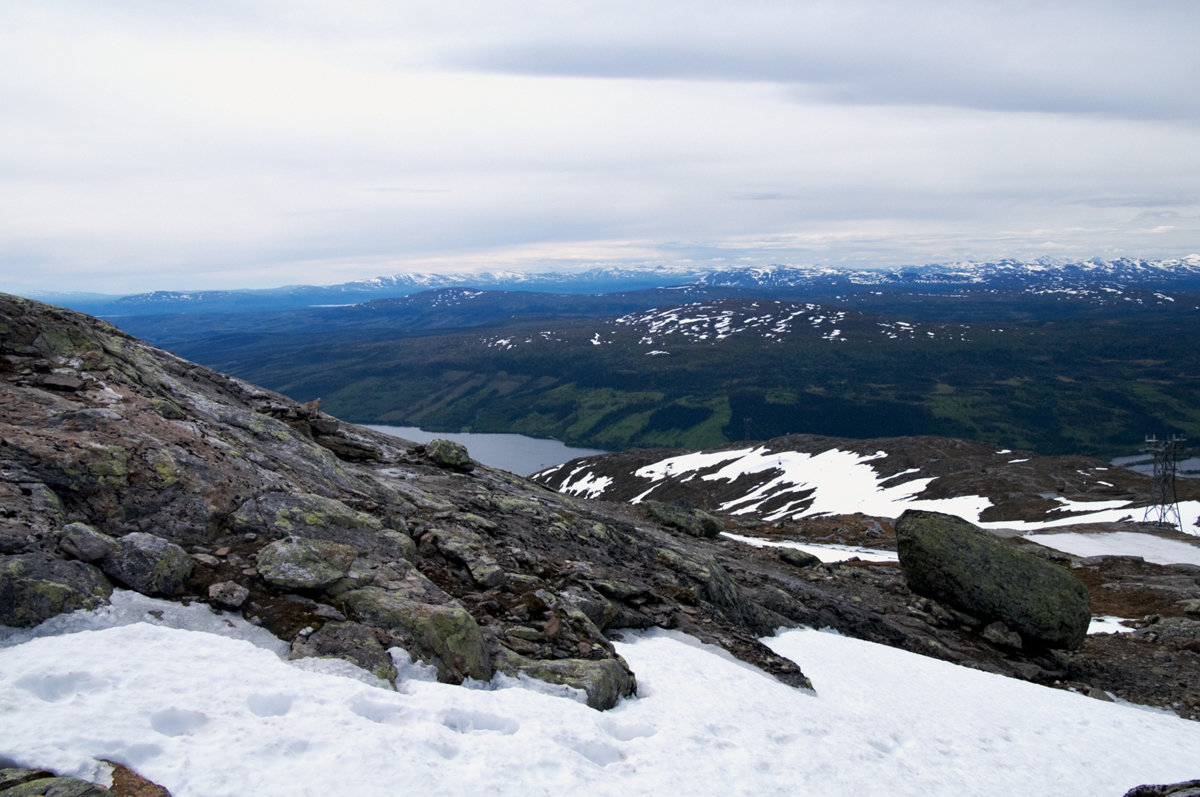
x,y
147,146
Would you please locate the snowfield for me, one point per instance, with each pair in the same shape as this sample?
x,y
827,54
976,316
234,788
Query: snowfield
x,y
212,714
844,482
1121,543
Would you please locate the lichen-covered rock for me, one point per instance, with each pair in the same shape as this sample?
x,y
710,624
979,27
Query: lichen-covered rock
x,y
149,564
228,594
448,454
445,635
467,547
353,642
276,515
39,783
689,520
605,681
950,560
295,563
37,586
81,541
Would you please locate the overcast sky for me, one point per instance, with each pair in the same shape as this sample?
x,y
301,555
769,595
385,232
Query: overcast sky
x,y
252,143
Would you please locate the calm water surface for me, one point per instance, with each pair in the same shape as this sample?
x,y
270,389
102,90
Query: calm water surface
x,y
514,453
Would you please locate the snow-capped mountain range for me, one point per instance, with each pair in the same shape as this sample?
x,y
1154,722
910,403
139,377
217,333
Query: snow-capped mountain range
x,y
1043,274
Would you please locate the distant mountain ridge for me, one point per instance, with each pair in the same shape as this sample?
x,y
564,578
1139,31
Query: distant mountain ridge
x,y
1047,272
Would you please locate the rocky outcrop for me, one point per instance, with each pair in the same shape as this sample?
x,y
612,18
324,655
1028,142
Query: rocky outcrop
x,y
443,634
955,562
687,519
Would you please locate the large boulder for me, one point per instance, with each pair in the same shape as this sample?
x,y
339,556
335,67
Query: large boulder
x,y
37,586
448,454
954,562
149,564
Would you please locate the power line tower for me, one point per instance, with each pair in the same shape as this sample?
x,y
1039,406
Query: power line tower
x,y
1164,506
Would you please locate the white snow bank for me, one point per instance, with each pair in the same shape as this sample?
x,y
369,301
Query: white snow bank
x,y
1122,543
826,553
210,715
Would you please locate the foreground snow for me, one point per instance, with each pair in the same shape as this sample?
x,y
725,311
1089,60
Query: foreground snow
x,y
211,715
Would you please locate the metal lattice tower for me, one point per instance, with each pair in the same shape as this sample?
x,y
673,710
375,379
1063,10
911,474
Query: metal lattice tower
x,y
1164,506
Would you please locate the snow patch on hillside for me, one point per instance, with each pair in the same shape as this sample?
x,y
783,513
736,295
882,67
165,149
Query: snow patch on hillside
x,y
1121,543
210,716
789,485
831,482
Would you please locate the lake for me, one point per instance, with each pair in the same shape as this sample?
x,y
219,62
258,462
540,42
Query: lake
x,y
514,453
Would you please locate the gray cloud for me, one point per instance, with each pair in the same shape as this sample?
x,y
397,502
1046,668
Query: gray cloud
x,y
1121,59
265,142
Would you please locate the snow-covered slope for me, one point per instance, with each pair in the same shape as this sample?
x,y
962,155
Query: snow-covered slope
x,y
806,476
208,716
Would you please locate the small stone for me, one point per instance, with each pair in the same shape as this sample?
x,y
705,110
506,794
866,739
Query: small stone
x,y
223,551
205,559
1000,634
228,593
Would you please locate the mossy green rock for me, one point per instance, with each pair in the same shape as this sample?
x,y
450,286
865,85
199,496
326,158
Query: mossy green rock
x,y
605,681
445,635
295,563
149,564
950,560
277,515
448,454
689,520
37,586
